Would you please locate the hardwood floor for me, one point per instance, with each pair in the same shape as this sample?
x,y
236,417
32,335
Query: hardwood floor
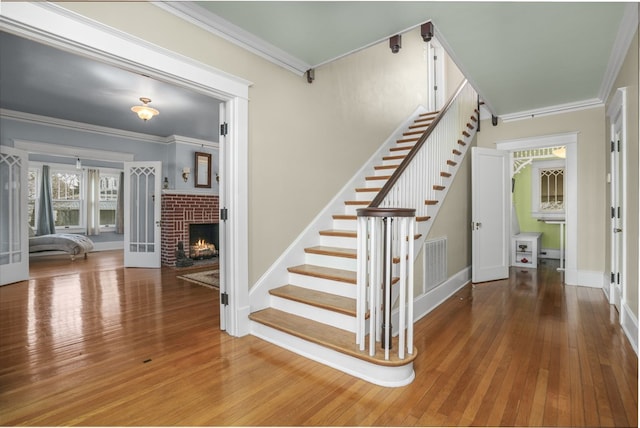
x,y
91,343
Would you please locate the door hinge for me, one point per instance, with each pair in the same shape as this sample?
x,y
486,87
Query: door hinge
x,y
224,129
613,147
613,277
619,146
618,212
613,212
224,299
618,279
224,214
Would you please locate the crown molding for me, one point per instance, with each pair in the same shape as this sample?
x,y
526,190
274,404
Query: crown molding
x,y
78,126
220,27
626,31
72,151
550,110
100,130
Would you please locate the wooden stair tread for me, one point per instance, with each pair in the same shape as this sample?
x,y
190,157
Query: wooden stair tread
x,y
319,299
457,152
341,275
423,218
363,203
331,337
407,140
396,157
379,167
397,149
438,187
368,189
378,177
345,217
349,253
430,202
338,232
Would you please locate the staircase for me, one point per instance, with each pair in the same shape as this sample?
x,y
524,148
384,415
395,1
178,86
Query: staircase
x,y
313,310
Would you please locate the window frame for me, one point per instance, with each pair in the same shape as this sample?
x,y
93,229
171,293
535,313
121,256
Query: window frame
x,y
536,210
84,180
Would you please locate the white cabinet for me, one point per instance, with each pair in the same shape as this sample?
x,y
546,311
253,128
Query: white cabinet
x,y
525,248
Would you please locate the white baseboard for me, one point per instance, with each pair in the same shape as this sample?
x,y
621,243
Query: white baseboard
x,y
586,278
430,300
108,246
629,324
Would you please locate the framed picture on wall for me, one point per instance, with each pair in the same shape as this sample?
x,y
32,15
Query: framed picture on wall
x,y
203,170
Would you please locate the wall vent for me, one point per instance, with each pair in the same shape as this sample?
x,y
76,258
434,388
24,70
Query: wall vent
x,y
435,263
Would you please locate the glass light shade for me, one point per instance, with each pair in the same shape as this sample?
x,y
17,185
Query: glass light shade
x,y
145,112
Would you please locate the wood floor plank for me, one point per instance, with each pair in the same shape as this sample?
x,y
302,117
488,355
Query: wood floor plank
x,y
92,343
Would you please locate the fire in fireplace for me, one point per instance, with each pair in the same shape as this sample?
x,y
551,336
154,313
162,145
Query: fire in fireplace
x,y
203,241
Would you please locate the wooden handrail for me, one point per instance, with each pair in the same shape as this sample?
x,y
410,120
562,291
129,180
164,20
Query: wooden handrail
x,y
386,212
412,153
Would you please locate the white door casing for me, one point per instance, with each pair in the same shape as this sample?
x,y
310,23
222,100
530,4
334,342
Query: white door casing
x,y
53,25
491,205
142,201
618,188
14,245
570,141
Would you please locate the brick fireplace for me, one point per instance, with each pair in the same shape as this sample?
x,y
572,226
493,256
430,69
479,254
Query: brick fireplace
x,y
179,210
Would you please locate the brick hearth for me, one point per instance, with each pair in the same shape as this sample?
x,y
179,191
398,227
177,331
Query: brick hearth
x,y
179,210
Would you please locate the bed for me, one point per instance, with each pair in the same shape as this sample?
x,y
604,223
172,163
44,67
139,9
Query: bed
x,y
71,243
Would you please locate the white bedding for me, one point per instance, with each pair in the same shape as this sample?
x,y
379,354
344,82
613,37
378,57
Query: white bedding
x,y
70,243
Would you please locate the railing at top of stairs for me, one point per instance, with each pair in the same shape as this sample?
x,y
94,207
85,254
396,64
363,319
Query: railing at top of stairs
x,y
386,229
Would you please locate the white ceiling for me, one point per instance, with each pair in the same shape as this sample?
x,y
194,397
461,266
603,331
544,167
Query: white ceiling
x,y
521,57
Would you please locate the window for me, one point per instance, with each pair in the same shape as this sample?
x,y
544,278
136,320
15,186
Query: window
x,y
108,200
68,193
547,190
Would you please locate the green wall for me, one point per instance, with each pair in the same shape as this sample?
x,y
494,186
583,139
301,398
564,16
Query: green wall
x,y
522,202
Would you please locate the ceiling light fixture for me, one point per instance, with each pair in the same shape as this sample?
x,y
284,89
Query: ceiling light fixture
x,y
145,112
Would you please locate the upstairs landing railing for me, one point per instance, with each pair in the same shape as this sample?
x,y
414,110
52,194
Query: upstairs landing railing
x,y
387,228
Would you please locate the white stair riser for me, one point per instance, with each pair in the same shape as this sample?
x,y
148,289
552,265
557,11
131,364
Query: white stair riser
x,y
383,172
353,209
366,196
331,261
341,224
338,241
324,316
325,285
390,162
376,374
375,183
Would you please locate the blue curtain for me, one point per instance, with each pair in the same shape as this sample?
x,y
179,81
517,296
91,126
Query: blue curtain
x,y
120,205
46,224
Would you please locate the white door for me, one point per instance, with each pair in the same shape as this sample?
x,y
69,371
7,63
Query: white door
x,y
142,196
615,289
490,206
14,244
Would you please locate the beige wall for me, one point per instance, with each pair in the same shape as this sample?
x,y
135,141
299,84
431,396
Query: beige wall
x,y
628,78
454,220
592,202
305,140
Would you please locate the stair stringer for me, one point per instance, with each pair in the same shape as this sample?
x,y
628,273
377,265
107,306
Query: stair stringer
x,y
294,255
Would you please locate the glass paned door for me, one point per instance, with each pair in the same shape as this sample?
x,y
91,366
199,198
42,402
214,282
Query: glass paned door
x,y
14,245
142,214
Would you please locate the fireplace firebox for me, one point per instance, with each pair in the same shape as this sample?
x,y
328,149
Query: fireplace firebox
x,y
203,241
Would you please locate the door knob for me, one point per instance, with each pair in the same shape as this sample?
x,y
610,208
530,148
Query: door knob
x,y
617,230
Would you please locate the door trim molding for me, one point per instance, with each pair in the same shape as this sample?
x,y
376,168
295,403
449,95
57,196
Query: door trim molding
x,y
53,25
570,140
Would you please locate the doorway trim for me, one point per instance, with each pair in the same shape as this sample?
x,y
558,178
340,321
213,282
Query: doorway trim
x,y
570,140
55,26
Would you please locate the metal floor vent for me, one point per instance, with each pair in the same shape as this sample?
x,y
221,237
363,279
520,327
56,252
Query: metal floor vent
x,y
435,263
